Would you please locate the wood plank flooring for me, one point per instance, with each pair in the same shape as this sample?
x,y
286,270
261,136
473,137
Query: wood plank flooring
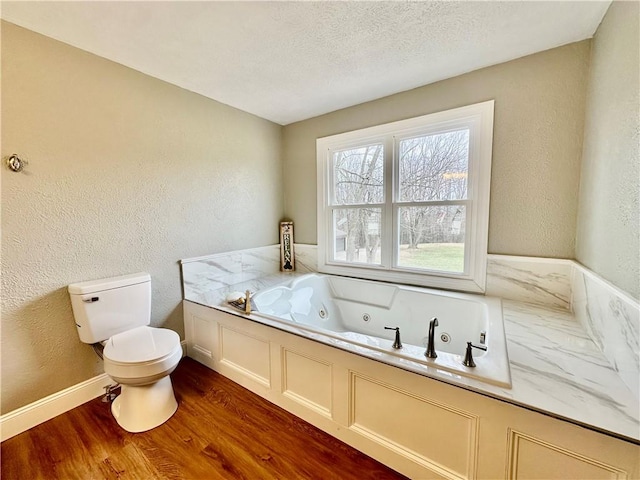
x,y
220,431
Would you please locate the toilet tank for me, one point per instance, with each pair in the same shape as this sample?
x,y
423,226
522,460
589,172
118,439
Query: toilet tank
x,y
103,308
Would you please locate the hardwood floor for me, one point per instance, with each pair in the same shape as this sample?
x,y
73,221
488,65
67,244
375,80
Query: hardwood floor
x,y
220,431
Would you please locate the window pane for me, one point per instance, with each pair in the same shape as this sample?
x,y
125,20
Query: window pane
x,y
357,235
358,175
434,167
432,238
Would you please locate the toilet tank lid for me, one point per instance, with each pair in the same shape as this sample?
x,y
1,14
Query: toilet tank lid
x,y
93,286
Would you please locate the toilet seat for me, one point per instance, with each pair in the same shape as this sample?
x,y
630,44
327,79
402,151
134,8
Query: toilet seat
x,y
142,355
141,344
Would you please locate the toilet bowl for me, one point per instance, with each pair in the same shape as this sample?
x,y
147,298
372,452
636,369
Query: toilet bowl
x,y
140,360
115,312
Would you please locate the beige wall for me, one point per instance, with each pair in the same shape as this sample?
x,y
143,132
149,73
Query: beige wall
x,y
608,217
537,145
127,173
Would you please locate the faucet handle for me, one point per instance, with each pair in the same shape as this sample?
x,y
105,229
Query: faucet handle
x,y
468,356
397,343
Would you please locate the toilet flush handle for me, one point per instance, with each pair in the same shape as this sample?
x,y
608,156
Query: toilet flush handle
x,y
90,299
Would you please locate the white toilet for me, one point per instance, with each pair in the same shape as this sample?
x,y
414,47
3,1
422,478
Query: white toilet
x,y
116,313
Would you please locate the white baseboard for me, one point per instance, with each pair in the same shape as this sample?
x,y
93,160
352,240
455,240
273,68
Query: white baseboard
x,y
24,418
40,411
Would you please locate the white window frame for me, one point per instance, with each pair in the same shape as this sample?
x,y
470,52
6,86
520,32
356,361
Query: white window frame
x,y
479,119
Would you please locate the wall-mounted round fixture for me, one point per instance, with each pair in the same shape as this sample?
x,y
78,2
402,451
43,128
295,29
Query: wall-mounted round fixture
x,y
15,163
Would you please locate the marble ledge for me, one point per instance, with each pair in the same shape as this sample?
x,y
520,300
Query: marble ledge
x,y
557,368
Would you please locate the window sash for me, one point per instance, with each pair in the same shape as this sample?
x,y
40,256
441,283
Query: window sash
x,y
429,131
396,235
333,237
390,250
332,198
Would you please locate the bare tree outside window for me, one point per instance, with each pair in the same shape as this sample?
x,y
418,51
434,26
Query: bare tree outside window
x,y
433,168
359,182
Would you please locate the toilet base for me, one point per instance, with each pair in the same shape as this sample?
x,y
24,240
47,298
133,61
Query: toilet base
x,y
141,408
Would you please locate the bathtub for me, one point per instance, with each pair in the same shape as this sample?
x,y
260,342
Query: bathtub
x,y
356,312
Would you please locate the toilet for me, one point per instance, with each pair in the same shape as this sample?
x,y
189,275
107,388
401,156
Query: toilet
x,y
115,312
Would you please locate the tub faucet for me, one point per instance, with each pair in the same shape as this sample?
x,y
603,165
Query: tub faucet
x,y
468,356
431,349
397,343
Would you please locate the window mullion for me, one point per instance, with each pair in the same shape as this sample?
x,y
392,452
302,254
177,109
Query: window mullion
x,y
388,230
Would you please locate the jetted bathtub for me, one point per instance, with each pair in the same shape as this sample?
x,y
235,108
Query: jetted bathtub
x,y
357,311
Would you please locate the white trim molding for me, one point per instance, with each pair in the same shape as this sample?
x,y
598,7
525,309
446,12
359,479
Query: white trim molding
x,y
24,418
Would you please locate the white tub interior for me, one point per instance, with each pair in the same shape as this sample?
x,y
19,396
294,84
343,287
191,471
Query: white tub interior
x,y
357,311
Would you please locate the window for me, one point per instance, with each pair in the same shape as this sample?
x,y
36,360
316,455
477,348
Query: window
x,y
408,201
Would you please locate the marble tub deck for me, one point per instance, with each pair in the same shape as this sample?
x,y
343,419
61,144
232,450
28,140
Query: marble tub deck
x,y
556,368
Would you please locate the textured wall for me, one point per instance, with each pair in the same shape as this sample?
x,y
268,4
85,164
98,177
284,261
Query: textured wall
x,y
608,217
538,128
126,174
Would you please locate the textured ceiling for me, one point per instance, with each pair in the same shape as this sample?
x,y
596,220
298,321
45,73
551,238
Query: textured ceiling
x,y
288,61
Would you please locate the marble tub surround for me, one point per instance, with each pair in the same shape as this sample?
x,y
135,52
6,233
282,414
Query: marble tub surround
x,y
540,281
306,257
612,320
555,366
207,280
570,369
203,275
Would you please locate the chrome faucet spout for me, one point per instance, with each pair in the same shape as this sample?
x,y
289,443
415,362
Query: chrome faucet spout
x,y
431,349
